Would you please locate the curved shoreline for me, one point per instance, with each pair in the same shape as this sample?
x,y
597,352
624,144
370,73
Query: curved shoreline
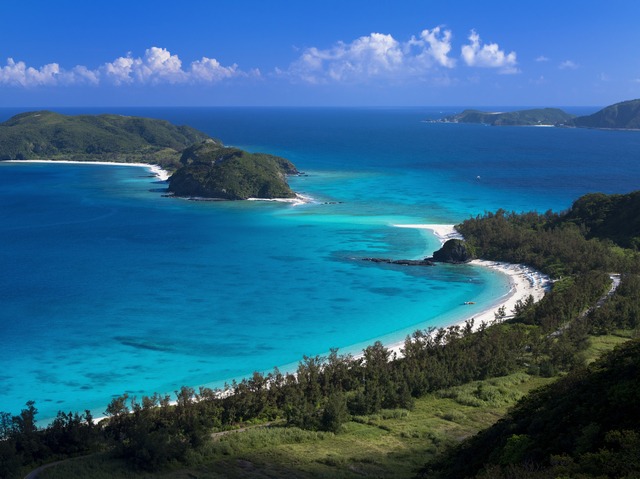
x,y
524,281
160,173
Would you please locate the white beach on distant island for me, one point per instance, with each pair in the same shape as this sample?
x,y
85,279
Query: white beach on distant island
x,y
158,171
525,281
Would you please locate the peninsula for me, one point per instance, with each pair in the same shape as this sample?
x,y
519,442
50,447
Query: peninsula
x,y
202,167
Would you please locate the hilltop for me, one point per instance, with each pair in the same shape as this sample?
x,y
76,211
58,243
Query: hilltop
x,y
624,115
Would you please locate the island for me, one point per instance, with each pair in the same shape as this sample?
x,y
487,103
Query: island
x,y
535,117
211,170
620,116
201,167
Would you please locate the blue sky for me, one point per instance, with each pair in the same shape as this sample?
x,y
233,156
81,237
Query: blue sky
x,y
319,53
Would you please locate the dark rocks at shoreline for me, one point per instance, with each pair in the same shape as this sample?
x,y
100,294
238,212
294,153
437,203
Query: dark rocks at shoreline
x,y
453,251
401,262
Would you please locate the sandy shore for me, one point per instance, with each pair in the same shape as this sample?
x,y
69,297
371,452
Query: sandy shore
x,y
298,200
161,174
524,282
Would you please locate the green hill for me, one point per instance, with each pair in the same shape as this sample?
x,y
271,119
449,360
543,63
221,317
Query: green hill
x,y
211,170
584,425
49,135
624,115
540,116
615,217
205,167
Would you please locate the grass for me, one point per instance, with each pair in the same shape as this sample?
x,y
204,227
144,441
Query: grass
x,y
601,344
390,444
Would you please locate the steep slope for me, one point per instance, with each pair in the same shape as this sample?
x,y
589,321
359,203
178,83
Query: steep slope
x,y
614,217
624,115
584,425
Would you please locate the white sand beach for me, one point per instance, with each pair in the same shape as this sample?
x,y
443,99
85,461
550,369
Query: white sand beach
x,y
298,200
524,281
159,172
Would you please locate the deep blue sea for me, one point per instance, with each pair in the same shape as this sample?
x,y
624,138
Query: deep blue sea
x,y
109,287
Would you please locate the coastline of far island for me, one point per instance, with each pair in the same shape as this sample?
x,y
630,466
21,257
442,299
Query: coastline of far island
x,y
619,116
195,165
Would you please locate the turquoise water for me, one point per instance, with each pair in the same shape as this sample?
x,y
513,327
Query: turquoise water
x,y
109,287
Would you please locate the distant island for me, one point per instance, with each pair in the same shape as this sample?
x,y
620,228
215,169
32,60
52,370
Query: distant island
x,y
202,166
620,116
536,117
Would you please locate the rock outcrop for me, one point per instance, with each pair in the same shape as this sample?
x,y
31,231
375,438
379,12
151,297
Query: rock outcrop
x,y
454,251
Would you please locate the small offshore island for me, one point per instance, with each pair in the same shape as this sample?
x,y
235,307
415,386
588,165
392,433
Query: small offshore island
x,y
201,166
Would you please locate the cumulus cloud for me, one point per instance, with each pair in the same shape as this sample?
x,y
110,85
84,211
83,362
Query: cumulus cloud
x,y
19,74
434,46
542,58
477,54
370,55
374,56
157,66
568,65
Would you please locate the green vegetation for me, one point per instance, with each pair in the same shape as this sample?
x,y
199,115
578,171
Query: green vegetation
x,y
49,135
383,416
624,115
211,170
540,116
205,168
585,425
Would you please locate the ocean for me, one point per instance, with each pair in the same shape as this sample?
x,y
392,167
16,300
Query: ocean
x,y
109,287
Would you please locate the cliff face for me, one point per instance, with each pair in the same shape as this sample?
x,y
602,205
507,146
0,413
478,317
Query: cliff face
x,y
211,170
624,115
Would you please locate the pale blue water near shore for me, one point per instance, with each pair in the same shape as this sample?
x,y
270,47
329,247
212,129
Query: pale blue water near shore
x,y
107,286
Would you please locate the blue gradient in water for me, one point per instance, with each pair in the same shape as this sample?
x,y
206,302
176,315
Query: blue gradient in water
x,y
109,287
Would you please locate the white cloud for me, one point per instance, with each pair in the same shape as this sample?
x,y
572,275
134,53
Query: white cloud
x,y
157,66
367,56
435,46
374,56
542,58
209,70
568,65
488,55
19,74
